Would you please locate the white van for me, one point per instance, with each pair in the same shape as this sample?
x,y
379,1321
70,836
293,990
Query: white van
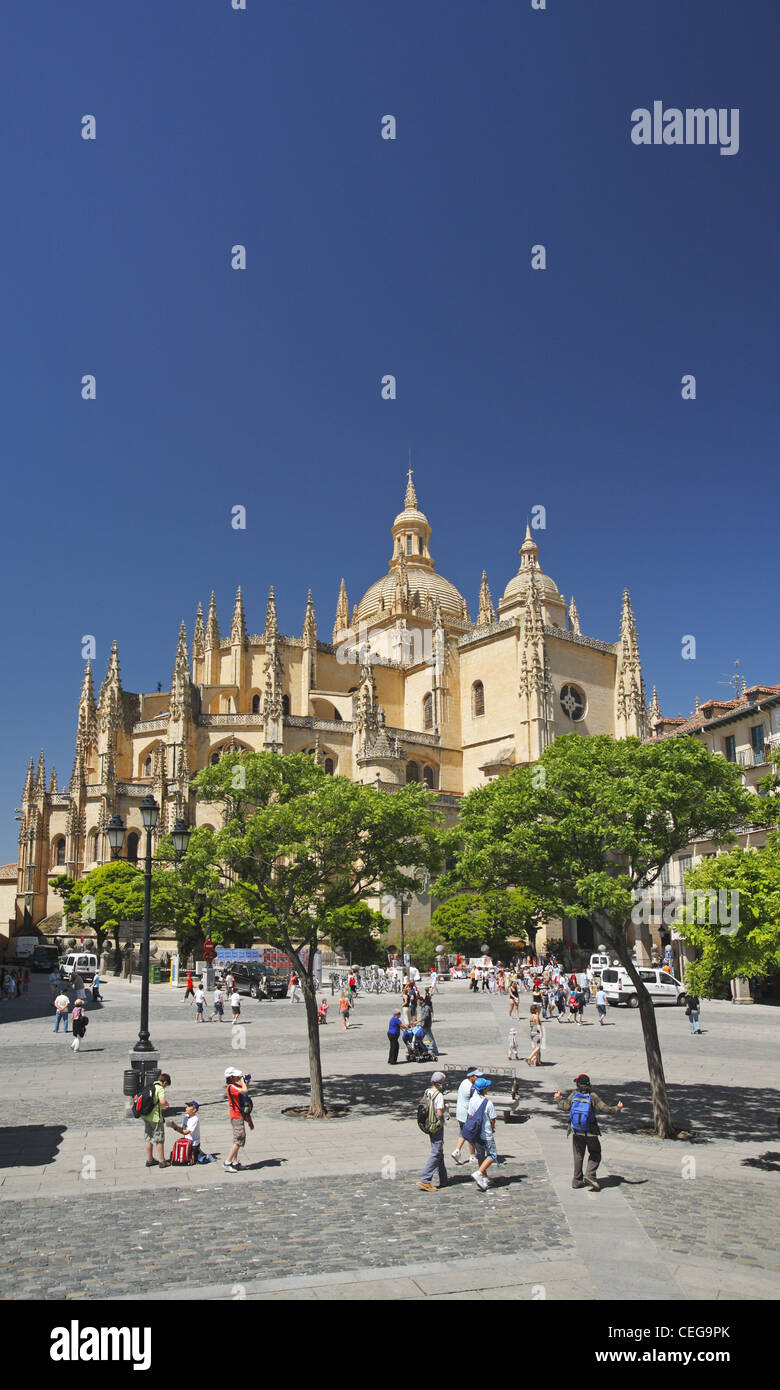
x,y
81,963
662,987
597,963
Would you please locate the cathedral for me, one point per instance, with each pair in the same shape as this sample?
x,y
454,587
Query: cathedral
x,y
409,689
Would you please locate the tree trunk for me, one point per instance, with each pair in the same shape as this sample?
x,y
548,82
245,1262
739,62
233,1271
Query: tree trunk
x,y
317,1101
663,1124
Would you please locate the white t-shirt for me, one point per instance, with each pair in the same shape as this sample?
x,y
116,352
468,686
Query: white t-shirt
x,y
200,997
235,1000
464,1096
488,1114
62,1003
192,1125
217,997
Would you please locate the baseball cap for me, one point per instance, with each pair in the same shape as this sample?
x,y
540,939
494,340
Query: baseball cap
x,y
474,1071
232,1071
482,1084
193,1103
582,1077
438,1077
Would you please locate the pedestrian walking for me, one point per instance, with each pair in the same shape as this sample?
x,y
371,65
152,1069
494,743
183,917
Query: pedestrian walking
x,y
344,1008
235,1004
77,984
480,1129
217,1005
62,1007
560,1001
514,998
189,992
601,1004
435,1114
535,1025
96,999
406,1014
236,1087
154,1125
434,981
414,1001
427,1024
582,1104
465,1092
191,1127
78,1024
55,984
26,982
512,1054
575,1013
294,992
322,1012
485,981
474,983
200,1005
692,1009
393,1034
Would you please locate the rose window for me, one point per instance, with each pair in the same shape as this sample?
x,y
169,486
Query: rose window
x,y
572,702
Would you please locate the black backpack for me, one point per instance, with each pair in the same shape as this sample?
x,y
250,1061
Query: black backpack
x,y
143,1103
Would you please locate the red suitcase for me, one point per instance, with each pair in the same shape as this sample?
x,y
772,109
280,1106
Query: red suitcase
x,y
182,1150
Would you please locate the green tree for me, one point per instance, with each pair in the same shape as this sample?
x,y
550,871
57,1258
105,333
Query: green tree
x,y
588,831
357,931
188,895
467,921
753,947
103,898
302,844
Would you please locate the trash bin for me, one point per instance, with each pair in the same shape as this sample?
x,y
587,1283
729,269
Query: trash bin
x,y
154,974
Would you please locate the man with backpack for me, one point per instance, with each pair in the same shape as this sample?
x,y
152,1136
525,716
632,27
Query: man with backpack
x,y
431,1117
154,1127
582,1105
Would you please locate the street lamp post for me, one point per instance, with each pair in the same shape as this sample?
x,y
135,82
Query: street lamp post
x,y
405,903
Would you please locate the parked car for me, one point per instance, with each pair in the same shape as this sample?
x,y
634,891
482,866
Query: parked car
x,y
662,987
247,975
598,962
82,963
45,958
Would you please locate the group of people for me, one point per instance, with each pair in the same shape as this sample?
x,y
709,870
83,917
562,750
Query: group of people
x,y
404,1024
14,983
239,1114
76,1011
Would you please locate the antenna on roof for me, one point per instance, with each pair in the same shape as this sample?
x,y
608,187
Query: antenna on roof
x,y
733,680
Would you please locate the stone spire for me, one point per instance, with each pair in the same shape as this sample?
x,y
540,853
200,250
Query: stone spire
x,y
181,695
366,706
536,693
109,705
109,766
355,616
238,625
486,613
410,500
310,624
574,618
86,727
630,708
342,613
198,636
183,765
53,780
212,626
654,715
78,779
271,623
29,781
529,550
40,777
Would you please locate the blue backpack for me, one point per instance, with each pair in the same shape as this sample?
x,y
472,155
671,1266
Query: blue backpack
x,y
581,1113
472,1126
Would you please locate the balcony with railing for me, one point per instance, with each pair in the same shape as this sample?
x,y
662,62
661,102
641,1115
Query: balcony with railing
x,y
751,757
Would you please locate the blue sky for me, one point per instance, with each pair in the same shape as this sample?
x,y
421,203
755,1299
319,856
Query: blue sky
x,y
364,257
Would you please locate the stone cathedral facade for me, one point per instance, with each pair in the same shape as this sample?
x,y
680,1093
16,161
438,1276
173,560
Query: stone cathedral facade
x,y
410,688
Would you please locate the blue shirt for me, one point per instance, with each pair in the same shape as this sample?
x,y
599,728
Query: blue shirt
x,y
394,1027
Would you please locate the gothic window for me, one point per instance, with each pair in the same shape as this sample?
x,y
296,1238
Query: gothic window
x,y
428,711
572,702
214,759
285,705
94,841
59,852
412,772
227,704
408,545
477,699
132,847
429,777
255,704
329,766
148,766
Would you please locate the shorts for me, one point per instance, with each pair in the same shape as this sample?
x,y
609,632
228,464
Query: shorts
x,y
239,1131
199,1008
154,1131
601,1009
486,1148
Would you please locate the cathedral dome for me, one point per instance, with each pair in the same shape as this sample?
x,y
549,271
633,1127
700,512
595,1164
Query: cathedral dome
x,y
412,586
516,591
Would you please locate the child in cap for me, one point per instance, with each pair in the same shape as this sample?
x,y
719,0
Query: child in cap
x,y
191,1127
484,1142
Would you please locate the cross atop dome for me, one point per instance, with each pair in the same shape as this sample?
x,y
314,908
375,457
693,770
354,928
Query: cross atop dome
x,y
410,500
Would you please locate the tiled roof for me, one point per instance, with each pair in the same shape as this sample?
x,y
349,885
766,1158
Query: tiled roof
x,y
8,870
713,710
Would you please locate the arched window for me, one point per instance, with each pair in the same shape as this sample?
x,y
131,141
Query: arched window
x,y
285,706
329,766
59,852
132,847
408,545
412,772
477,699
214,759
227,704
148,766
429,777
255,704
94,844
428,711
420,546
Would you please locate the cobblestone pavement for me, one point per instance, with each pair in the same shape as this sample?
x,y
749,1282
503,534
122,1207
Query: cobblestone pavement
x,y
295,1228
314,1218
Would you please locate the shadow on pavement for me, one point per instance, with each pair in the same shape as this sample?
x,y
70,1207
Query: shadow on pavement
x,y
616,1180
769,1162
29,1146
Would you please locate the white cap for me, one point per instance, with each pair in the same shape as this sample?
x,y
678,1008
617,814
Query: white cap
x,y
232,1071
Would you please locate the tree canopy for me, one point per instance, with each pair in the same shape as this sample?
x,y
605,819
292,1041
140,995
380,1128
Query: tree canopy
x,y
753,949
467,921
104,897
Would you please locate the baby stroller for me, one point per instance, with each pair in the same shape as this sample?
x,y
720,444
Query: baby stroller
x,y
416,1050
